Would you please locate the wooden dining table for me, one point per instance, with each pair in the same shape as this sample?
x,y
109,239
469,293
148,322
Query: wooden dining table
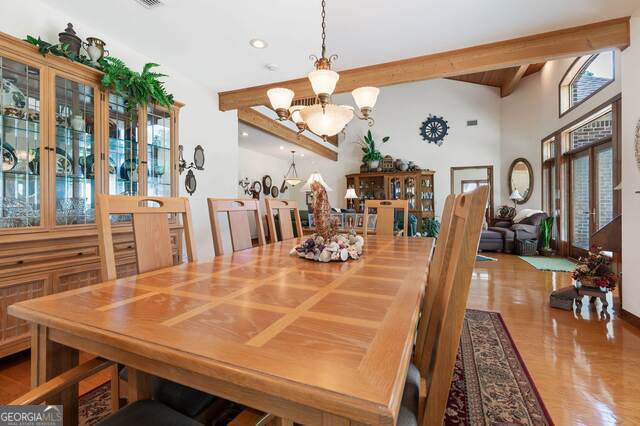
x,y
309,342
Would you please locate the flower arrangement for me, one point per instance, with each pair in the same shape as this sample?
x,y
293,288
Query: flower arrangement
x,y
369,149
341,247
594,270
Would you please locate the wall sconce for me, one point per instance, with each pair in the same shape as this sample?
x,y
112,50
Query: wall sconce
x,y
190,182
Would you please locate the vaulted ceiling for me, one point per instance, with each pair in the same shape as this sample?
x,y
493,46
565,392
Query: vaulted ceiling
x,y
208,40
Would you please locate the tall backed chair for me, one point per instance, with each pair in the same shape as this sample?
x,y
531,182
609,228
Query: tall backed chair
x,y
425,396
150,230
238,211
434,277
385,210
150,220
284,208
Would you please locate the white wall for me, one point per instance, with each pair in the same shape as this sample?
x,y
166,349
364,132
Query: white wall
x,y
531,113
399,113
200,121
630,172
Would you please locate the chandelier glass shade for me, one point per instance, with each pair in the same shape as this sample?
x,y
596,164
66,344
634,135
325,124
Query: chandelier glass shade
x,y
328,120
323,118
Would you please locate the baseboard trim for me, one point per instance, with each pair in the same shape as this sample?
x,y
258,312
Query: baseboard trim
x,y
631,318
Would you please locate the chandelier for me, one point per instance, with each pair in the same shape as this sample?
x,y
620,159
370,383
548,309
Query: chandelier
x,y
292,177
323,117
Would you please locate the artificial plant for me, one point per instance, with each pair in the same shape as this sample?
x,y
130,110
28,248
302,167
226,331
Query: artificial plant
x,y
138,88
371,153
431,227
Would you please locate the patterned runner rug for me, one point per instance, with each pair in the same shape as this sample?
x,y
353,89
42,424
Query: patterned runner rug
x,y
490,386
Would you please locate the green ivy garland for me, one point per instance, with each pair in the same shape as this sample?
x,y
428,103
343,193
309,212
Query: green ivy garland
x,y
136,87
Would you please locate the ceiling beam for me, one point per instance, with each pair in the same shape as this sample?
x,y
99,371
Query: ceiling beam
x,y
260,121
512,80
568,42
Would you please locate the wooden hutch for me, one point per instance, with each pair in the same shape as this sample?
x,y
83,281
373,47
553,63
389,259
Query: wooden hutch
x,y
64,140
415,186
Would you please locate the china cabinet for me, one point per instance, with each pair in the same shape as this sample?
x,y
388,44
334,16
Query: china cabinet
x,y
63,140
415,186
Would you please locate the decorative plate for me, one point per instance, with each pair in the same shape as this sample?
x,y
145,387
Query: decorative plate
x,y
256,188
274,191
129,170
9,159
266,184
64,164
87,164
434,129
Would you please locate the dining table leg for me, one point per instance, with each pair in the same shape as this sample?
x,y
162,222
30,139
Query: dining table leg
x,y
140,385
48,360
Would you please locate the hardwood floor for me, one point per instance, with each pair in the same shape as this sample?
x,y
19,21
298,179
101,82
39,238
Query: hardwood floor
x,y
586,368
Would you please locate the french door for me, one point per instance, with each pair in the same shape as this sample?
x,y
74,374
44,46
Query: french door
x,y
591,201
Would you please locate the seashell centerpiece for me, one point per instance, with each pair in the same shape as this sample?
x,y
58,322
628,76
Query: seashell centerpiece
x,y
341,247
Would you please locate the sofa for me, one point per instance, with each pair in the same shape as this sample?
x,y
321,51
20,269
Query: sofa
x,y
502,235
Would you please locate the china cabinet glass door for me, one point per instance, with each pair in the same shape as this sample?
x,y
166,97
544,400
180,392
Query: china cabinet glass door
x,y
410,191
124,148
75,163
158,134
20,130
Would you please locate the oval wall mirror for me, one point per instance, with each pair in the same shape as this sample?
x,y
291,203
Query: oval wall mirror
x,y
190,183
521,179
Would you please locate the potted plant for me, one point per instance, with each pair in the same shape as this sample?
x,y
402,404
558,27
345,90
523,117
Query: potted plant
x,y
431,227
547,228
594,271
371,156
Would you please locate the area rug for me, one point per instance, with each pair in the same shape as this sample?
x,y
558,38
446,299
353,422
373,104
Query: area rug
x,y
554,264
490,385
481,258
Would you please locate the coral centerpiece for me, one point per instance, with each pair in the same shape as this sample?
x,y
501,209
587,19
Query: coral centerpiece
x,y
341,247
594,270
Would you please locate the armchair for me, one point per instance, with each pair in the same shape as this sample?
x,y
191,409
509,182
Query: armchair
x,y
503,234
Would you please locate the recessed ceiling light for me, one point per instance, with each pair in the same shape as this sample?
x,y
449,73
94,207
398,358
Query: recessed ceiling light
x,y
258,43
244,134
281,147
271,67
302,154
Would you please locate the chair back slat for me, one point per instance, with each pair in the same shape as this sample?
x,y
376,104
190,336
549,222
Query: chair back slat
x,y
237,212
240,230
446,317
385,210
150,220
151,234
433,279
284,208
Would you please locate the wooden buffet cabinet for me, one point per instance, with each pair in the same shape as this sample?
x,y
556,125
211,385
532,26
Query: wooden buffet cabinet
x,y
63,140
415,186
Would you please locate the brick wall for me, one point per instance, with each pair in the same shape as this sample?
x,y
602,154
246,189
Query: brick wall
x,y
585,85
592,132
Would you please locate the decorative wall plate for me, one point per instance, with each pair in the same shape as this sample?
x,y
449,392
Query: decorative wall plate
x,y
256,188
274,191
266,184
434,129
64,164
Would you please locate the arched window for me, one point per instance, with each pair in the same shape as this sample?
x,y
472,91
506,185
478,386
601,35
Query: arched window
x,y
586,76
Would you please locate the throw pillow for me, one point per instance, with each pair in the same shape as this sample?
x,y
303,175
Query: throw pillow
x,y
525,213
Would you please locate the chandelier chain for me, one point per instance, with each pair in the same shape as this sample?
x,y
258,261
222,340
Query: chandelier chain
x,y
324,29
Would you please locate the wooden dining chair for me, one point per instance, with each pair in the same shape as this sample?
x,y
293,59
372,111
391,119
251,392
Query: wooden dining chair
x,y
385,211
424,402
150,219
434,276
284,208
238,211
